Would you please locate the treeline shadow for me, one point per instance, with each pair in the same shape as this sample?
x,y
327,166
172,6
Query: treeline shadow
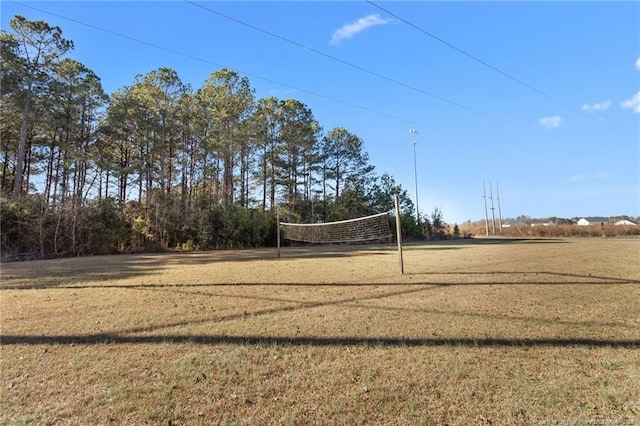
x,y
62,273
65,272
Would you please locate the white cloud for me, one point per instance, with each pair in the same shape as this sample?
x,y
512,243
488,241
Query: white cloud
x,y
633,103
598,106
582,177
551,122
638,63
354,28
577,178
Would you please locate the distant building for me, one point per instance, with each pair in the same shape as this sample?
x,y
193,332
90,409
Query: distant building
x,y
511,223
625,222
586,221
542,222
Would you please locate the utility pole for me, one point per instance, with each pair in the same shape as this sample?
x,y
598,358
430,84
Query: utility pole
x,y
486,215
493,210
415,173
499,208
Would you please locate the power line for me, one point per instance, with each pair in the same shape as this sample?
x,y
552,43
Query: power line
x,y
199,59
342,61
475,58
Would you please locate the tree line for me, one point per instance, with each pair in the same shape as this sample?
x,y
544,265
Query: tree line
x,y
159,164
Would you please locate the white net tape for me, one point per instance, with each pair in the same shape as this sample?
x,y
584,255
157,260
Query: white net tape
x,y
367,228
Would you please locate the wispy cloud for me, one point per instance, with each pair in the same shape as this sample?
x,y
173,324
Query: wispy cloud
x,y
633,103
354,28
638,63
577,178
583,177
598,106
551,122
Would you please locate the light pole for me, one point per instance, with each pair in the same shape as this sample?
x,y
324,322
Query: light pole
x,y
415,172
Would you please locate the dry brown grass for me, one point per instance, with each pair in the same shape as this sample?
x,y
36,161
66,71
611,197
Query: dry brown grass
x,y
556,231
500,332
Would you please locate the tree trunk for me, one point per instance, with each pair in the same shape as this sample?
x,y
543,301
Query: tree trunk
x,y
17,182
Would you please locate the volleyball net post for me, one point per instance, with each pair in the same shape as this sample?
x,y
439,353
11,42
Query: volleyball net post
x,y
278,230
396,205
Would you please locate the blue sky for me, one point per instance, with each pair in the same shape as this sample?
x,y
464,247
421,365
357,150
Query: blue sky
x,y
559,133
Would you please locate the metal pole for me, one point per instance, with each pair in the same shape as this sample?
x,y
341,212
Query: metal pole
x,y
493,210
278,230
499,208
398,232
415,172
486,215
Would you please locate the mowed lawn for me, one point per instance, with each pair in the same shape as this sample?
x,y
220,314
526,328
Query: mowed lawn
x,y
475,332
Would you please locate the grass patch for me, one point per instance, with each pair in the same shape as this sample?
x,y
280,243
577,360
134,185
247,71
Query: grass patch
x,y
495,332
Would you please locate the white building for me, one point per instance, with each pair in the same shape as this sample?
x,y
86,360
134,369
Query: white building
x,y
586,221
625,222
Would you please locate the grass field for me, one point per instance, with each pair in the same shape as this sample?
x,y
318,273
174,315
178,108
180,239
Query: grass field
x,y
475,332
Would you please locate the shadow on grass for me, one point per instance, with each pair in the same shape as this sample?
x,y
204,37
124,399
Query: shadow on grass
x,y
92,339
289,305
60,272
483,241
52,273
585,279
525,278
